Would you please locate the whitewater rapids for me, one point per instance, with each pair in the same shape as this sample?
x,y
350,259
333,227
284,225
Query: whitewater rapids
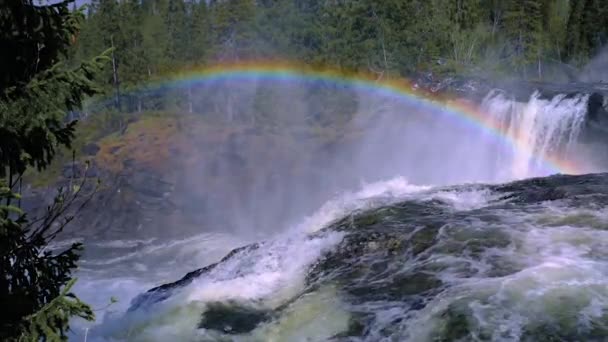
x,y
491,263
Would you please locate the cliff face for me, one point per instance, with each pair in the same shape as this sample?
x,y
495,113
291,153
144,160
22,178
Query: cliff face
x,y
177,174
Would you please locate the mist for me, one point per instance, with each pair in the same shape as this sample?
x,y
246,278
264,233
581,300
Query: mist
x,y
285,148
596,71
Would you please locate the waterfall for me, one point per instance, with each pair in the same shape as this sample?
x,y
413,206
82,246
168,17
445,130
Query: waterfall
x,y
546,127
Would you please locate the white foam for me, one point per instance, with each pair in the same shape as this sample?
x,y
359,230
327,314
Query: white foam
x,y
272,272
463,199
370,195
123,243
266,276
562,281
214,245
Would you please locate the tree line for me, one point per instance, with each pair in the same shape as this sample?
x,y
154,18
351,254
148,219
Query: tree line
x,y
389,38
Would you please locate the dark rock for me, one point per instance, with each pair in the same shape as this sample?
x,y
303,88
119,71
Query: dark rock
x,y
357,327
148,184
73,170
556,187
232,318
163,292
90,149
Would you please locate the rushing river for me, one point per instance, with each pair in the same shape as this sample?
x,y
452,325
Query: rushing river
x,y
462,253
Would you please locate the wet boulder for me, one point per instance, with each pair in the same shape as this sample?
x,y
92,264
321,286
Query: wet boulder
x,y
160,293
557,187
233,318
370,262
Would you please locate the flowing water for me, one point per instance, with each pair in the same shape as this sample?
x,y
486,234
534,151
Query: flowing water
x,y
544,125
413,255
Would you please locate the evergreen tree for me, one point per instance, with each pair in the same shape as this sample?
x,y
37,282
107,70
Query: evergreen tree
x,y
232,24
464,13
36,92
587,29
593,26
155,43
576,45
556,18
198,50
180,34
130,52
523,24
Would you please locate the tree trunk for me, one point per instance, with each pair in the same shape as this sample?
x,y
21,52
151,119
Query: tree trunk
x,y
495,22
115,76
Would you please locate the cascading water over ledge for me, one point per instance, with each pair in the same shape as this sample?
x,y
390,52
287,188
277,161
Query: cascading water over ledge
x,y
547,126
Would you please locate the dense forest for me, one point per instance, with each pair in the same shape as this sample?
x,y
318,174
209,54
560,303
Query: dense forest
x,y
528,38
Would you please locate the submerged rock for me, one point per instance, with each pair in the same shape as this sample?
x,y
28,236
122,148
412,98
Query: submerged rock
x,y
232,318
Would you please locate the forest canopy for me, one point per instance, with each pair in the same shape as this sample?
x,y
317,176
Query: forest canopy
x,y
528,38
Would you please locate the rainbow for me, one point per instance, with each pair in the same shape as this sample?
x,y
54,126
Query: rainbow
x,y
399,88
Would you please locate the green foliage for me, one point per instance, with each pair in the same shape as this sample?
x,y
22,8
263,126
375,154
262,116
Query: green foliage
x,y
35,283
199,27
232,28
524,26
587,29
37,89
32,116
390,38
57,313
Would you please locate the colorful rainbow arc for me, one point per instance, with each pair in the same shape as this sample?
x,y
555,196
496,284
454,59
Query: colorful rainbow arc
x,y
400,88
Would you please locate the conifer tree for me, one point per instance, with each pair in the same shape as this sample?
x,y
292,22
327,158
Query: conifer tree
x,y
36,91
523,24
200,32
232,24
178,26
576,45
